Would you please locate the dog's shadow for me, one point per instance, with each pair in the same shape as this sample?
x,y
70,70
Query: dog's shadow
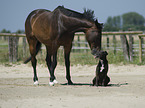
x,y
117,85
87,84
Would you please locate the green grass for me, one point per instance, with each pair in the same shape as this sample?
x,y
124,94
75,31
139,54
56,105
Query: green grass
x,y
119,59
85,58
82,57
3,51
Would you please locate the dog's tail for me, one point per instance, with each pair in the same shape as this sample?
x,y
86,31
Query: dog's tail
x,y
38,47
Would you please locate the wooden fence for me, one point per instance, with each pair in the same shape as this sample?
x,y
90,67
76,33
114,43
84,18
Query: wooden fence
x,y
13,45
126,45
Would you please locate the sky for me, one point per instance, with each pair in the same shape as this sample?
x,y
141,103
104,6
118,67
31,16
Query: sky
x,y
13,13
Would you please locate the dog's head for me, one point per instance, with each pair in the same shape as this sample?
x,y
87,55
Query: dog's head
x,y
102,55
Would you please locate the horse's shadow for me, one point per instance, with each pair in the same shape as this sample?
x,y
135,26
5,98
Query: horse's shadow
x,y
87,84
78,84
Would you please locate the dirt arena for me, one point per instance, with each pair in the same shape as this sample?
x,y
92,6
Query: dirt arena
x,y
126,90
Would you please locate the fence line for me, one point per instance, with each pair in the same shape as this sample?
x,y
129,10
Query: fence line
x,y
127,46
116,33
81,33
12,34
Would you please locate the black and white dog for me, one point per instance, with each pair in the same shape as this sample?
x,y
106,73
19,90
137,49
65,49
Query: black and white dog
x,y
101,78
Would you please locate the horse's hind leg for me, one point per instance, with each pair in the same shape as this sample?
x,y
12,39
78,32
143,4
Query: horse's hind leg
x,y
32,47
51,60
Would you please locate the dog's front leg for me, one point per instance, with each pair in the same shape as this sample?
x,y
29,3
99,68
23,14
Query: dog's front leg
x,y
97,80
104,80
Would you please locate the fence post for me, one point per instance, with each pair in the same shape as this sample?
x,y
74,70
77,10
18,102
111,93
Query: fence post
x,y
142,41
10,39
125,47
107,42
114,44
140,49
15,48
78,43
24,46
86,45
131,47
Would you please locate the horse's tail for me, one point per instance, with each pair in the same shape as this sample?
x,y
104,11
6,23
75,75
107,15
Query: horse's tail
x,y
38,47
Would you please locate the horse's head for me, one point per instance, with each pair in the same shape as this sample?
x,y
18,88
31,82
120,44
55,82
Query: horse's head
x,y
93,36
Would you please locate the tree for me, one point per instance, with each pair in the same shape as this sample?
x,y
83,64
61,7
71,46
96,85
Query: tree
x,y
20,31
128,21
5,31
133,21
113,24
117,21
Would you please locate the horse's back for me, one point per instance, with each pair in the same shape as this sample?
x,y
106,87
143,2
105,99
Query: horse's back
x,y
33,15
36,13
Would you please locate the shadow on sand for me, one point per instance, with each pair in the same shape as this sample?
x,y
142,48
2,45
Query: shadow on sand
x,y
87,84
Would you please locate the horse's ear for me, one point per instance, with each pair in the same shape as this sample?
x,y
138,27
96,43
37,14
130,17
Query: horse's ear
x,y
96,22
99,25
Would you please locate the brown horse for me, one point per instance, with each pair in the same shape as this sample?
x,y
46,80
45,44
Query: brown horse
x,y
55,29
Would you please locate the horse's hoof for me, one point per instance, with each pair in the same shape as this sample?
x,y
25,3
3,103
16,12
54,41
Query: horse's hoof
x,y
70,83
51,83
36,83
55,82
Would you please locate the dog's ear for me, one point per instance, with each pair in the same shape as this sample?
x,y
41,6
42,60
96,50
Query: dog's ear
x,y
106,53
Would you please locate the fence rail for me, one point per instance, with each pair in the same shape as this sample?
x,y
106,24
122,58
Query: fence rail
x,y
126,45
116,33
12,34
81,34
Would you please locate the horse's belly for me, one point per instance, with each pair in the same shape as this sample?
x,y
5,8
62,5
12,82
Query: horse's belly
x,y
43,39
43,36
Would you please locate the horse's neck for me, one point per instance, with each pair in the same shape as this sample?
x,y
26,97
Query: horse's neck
x,y
73,25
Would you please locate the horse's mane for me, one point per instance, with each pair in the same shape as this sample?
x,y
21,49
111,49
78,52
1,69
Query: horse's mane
x,y
88,14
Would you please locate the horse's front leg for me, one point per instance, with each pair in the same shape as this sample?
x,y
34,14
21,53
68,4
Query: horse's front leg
x,y
67,51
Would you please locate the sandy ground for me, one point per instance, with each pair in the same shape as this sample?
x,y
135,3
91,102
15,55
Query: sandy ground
x,y
126,90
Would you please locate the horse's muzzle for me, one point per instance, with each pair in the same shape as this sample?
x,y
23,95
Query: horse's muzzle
x,y
95,53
